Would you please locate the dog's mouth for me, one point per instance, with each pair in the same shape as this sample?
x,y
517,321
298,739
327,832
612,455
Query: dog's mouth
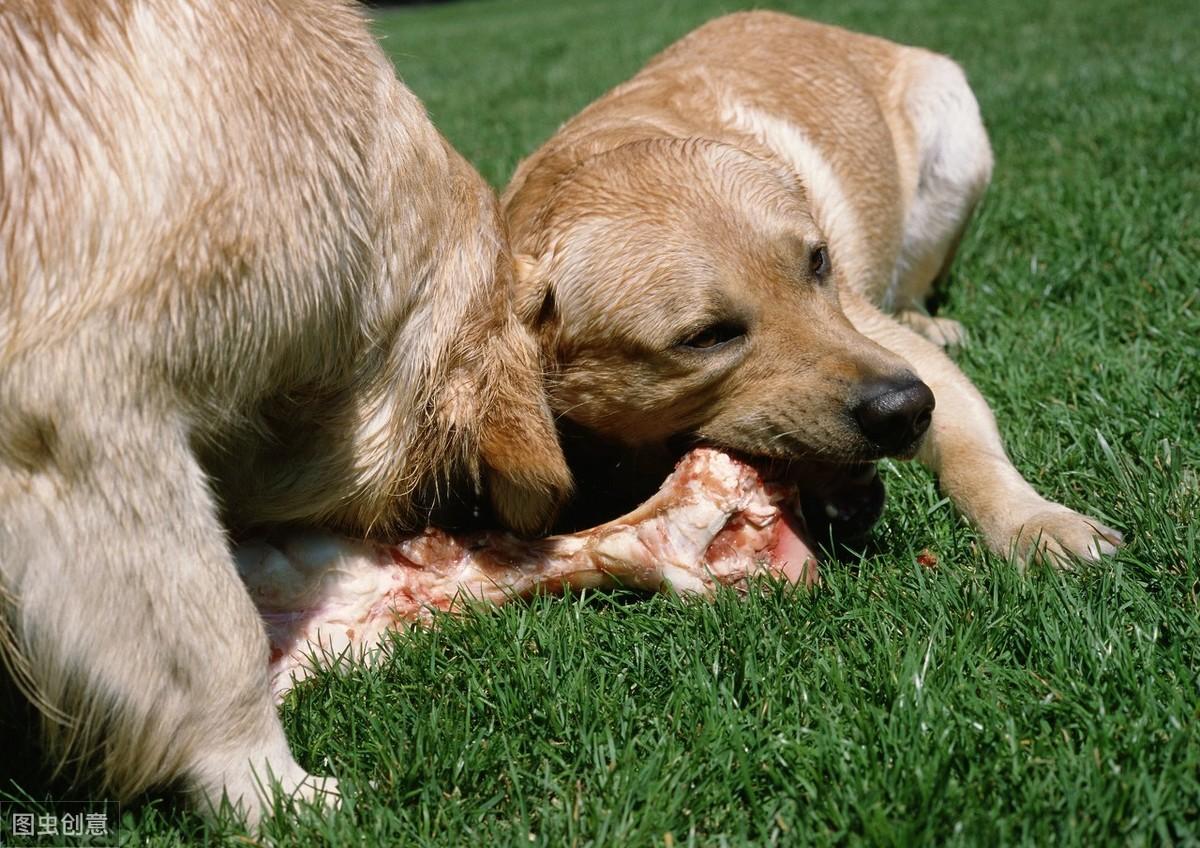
x,y
821,506
837,504
819,503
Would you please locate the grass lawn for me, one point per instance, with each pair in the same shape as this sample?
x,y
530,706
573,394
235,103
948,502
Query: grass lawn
x,y
898,703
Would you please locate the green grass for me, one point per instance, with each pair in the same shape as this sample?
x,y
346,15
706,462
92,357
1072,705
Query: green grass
x,y
897,704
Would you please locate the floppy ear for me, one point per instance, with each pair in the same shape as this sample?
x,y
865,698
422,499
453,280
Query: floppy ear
x,y
526,471
533,297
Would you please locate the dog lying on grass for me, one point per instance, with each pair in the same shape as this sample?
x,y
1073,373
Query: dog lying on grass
x,y
735,247
244,279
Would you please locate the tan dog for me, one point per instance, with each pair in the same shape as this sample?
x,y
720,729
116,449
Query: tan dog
x,y
241,271
673,240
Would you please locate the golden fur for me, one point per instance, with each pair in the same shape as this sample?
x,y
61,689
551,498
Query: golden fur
x,y
694,198
242,275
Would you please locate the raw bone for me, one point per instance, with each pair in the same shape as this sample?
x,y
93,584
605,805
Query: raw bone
x,y
712,522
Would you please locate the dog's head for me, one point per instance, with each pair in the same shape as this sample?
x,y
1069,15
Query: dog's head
x,y
683,287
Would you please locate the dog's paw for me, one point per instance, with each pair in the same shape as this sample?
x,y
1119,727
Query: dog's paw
x,y
943,332
1060,536
947,332
299,788
257,785
318,791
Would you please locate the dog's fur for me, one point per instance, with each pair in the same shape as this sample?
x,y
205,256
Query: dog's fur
x,y
693,200
242,274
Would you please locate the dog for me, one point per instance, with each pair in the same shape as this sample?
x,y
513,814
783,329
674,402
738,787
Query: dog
x,y
245,281
736,245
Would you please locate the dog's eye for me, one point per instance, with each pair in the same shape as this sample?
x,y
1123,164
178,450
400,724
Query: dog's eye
x,y
713,336
818,262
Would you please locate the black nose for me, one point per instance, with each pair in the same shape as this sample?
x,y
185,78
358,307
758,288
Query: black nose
x,y
894,414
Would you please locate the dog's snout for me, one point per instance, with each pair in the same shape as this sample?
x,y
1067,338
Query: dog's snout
x,y
895,413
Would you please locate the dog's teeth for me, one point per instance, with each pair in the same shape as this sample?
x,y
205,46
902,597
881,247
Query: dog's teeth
x,y
831,511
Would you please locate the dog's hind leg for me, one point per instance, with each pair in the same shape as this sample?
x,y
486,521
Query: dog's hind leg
x,y
126,619
963,447
952,160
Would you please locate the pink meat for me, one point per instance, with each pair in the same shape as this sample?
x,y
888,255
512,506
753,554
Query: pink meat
x,y
713,521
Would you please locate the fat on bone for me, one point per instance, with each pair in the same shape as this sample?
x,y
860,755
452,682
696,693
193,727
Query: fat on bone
x,y
713,522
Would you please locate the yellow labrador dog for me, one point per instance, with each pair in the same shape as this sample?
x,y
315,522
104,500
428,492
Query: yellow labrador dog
x,y
243,277
735,246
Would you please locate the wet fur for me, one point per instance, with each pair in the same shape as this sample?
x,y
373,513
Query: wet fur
x,y
244,281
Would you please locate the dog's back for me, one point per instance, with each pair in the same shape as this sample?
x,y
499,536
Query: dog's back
x,y
144,170
847,111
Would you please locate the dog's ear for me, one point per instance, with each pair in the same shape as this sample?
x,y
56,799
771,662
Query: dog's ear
x,y
534,300
526,471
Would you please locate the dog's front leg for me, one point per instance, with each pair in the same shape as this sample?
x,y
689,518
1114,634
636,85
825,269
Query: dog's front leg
x,y
126,620
963,447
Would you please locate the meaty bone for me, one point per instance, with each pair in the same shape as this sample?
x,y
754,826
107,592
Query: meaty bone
x,y
713,522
